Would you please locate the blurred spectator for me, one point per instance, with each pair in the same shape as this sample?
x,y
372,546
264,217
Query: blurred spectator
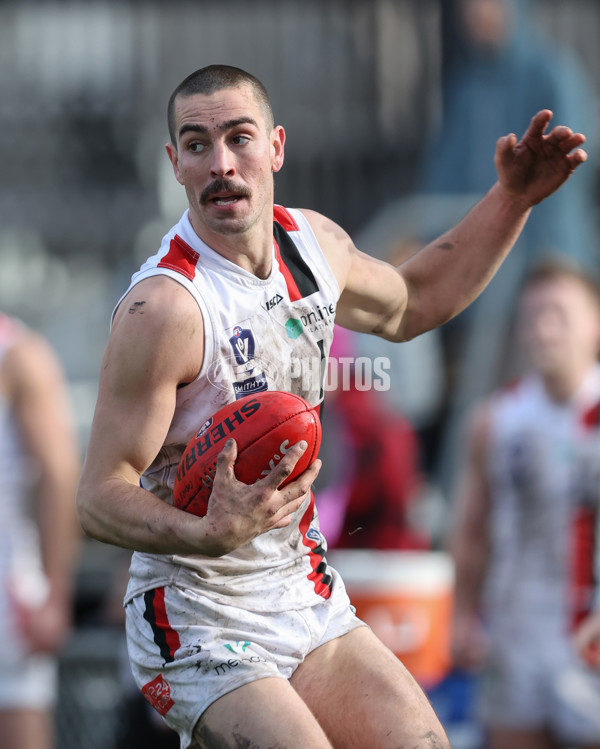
x,y
526,514
504,69
374,480
39,465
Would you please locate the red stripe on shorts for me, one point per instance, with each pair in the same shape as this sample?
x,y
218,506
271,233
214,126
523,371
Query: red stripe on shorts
x,y
155,614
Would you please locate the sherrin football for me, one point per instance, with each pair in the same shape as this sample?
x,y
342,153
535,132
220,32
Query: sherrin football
x,y
264,427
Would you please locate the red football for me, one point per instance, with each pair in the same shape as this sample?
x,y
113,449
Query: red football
x,y
264,427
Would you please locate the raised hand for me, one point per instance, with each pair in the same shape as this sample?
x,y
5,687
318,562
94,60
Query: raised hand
x,y
537,165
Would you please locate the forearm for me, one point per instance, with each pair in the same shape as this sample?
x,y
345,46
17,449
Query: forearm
x,y
117,512
449,273
59,535
471,559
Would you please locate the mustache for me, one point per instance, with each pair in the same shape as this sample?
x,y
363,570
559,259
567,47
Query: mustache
x,y
223,185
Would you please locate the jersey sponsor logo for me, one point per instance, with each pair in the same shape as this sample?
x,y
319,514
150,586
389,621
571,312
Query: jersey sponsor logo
x,y
158,693
239,645
273,302
314,318
226,666
293,328
251,385
318,317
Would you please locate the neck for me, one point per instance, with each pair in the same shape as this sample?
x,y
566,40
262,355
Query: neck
x,y
251,250
562,387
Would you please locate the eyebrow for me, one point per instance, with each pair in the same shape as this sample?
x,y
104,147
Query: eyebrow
x,y
193,128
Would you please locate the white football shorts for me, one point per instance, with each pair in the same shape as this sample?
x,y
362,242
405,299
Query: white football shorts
x,y
528,685
27,681
186,651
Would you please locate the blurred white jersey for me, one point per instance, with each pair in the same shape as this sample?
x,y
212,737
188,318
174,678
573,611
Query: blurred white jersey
x,y
544,496
260,334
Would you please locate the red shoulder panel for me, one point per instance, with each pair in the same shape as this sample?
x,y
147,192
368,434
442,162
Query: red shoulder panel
x,y
181,258
284,217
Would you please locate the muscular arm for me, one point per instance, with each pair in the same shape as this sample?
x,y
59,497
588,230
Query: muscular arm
x,y
431,287
439,281
38,393
155,346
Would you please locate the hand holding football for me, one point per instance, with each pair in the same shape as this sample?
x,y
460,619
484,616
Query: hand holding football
x,y
264,427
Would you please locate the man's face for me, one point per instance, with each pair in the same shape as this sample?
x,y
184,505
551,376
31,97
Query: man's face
x,y
560,326
225,157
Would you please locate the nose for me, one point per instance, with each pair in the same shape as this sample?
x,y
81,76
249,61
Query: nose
x,y
222,161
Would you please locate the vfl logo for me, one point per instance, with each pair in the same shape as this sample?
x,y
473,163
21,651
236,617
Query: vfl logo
x,y
273,302
242,343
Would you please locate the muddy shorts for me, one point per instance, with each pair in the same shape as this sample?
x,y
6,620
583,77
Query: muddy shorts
x,y
187,651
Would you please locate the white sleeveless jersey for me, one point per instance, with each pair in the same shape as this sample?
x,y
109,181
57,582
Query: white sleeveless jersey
x,y
20,561
260,334
542,463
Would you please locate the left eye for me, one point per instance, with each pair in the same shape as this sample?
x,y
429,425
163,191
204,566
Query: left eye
x,y
240,140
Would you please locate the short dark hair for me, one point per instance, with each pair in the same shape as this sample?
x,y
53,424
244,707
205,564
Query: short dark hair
x,y
215,78
554,267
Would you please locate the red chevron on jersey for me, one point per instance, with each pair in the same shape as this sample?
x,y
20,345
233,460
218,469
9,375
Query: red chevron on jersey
x,y
284,218
181,258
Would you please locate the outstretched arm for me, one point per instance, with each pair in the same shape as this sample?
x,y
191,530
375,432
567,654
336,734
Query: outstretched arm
x,y
440,280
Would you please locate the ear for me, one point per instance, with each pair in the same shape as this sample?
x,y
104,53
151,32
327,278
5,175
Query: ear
x,y
174,159
277,143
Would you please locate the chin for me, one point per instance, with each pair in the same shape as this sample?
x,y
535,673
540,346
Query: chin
x,y
232,226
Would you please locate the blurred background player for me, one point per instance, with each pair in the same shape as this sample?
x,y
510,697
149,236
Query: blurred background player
x,y
498,63
523,526
587,639
39,465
